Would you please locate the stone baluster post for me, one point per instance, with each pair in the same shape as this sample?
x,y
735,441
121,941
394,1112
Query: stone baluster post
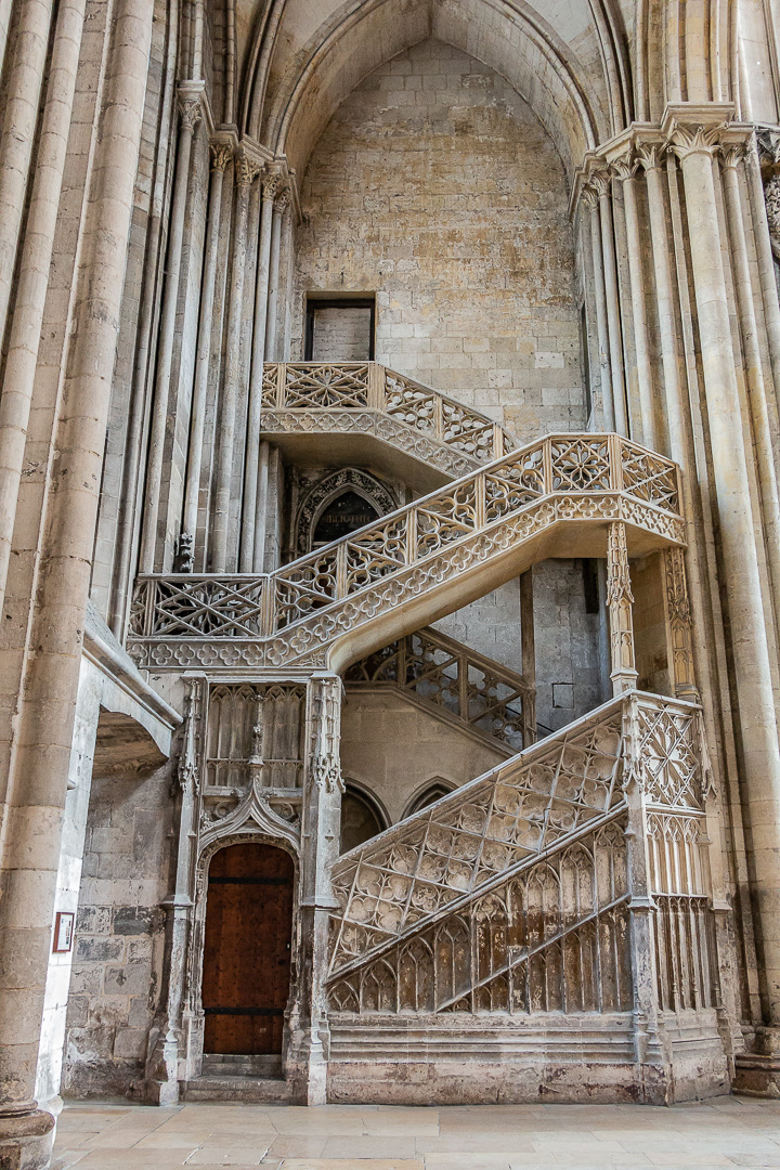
x,y
603,186
46,716
162,1065
251,557
591,197
528,651
33,280
221,155
646,1045
319,850
695,145
620,603
624,169
246,173
190,114
20,118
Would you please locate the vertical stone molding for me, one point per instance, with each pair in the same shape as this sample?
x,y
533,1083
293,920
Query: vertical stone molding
x,y
189,116
221,157
27,319
46,717
591,200
695,144
620,603
251,557
601,181
677,611
624,169
246,171
20,116
281,206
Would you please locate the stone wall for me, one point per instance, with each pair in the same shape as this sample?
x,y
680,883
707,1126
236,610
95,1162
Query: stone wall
x,y
435,187
117,965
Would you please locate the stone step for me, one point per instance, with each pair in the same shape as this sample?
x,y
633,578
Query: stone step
x,y
251,1090
217,1064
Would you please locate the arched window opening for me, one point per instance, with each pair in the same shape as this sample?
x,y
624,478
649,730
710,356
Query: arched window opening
x,y
428,796
344,514
361,819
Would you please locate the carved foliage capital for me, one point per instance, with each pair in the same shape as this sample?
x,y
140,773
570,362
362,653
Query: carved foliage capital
x,y
190,110
221,156
685,140
247,169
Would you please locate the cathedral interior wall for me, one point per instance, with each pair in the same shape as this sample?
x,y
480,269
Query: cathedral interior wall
x,y
436,187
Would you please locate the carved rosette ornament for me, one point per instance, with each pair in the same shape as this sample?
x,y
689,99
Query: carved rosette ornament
x,y
326,733
620,602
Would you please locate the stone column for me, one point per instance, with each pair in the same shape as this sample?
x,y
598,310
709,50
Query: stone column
x,y
319,850
591,197
20,118
33,280
624,170
602,183
246,173
694,144
221,155
250,560
162,1066
280,209
46,718
677,611
620,603
731,159
190,113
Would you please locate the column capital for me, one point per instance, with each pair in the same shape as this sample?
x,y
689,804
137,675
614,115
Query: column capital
x,y
625,165
189,98
247,168
272,184
221,155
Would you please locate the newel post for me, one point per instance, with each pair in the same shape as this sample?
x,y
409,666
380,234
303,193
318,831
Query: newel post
x,y
620,601
641,906
319,850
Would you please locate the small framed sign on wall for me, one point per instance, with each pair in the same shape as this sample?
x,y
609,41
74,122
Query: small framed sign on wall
x,y
63,932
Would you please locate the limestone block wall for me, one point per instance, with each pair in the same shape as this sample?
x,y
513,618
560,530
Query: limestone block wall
x,y
435,187
395,750
115,982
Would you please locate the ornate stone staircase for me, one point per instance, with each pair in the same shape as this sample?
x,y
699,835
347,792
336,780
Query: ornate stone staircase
x,y
433,437
555,910
555,496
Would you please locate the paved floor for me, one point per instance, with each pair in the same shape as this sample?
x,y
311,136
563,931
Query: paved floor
x,y
728,1131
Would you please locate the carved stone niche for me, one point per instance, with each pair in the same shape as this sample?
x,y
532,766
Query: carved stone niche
x,y
255,735
321,492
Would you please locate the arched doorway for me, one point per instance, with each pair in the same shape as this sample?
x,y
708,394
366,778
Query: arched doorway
x,y
246,957
361,818
344,514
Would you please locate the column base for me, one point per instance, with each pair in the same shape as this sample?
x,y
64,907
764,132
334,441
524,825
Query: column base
x,y
758,1072
26,1141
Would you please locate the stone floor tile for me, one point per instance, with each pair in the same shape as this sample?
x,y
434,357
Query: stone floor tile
x,y
472,1161
219,1155
369,1146
64,1159
298,1145
353,1164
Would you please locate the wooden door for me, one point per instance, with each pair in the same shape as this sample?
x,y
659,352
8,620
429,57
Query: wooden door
x,y
246,960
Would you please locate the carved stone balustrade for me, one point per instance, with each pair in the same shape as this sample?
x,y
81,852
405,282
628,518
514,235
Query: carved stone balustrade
x,y
442,674
555,496
519,894
365,398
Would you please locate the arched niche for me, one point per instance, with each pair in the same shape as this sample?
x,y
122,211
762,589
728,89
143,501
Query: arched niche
x,y
431,791
362,816
365,499
572,67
